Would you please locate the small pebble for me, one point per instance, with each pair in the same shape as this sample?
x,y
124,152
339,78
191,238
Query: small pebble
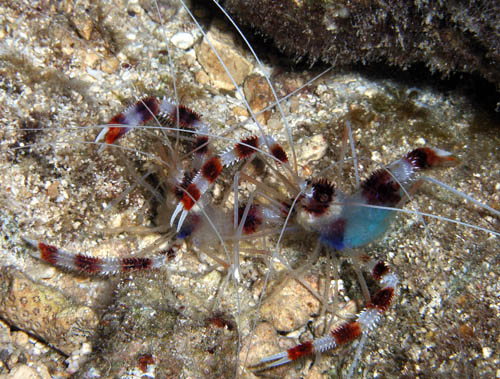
x,y
182,40
487,351
23,372
20,338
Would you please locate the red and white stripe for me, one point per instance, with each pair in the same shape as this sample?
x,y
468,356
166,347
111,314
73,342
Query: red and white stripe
x,y
138,114
383,187
208,169
422,158
251,145
187,119
93,265
347,332
212,168
203,180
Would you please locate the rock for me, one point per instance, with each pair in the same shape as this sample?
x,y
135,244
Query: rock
x,y
445,36
233,58
263,342
182,40
22,372
312,149
20,338
84,25
44,311
292,307
5,337
259,96
201,77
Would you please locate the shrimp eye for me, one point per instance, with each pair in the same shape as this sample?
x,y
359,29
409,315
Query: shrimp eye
x,y
323,191
322,195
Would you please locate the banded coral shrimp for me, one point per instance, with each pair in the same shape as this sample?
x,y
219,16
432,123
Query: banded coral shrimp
x,y
447,299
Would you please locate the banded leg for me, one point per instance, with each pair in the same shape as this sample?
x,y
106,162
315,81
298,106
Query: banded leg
x,y
347,332
96,266
204,170
212,168
366,215
258,218
138,114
